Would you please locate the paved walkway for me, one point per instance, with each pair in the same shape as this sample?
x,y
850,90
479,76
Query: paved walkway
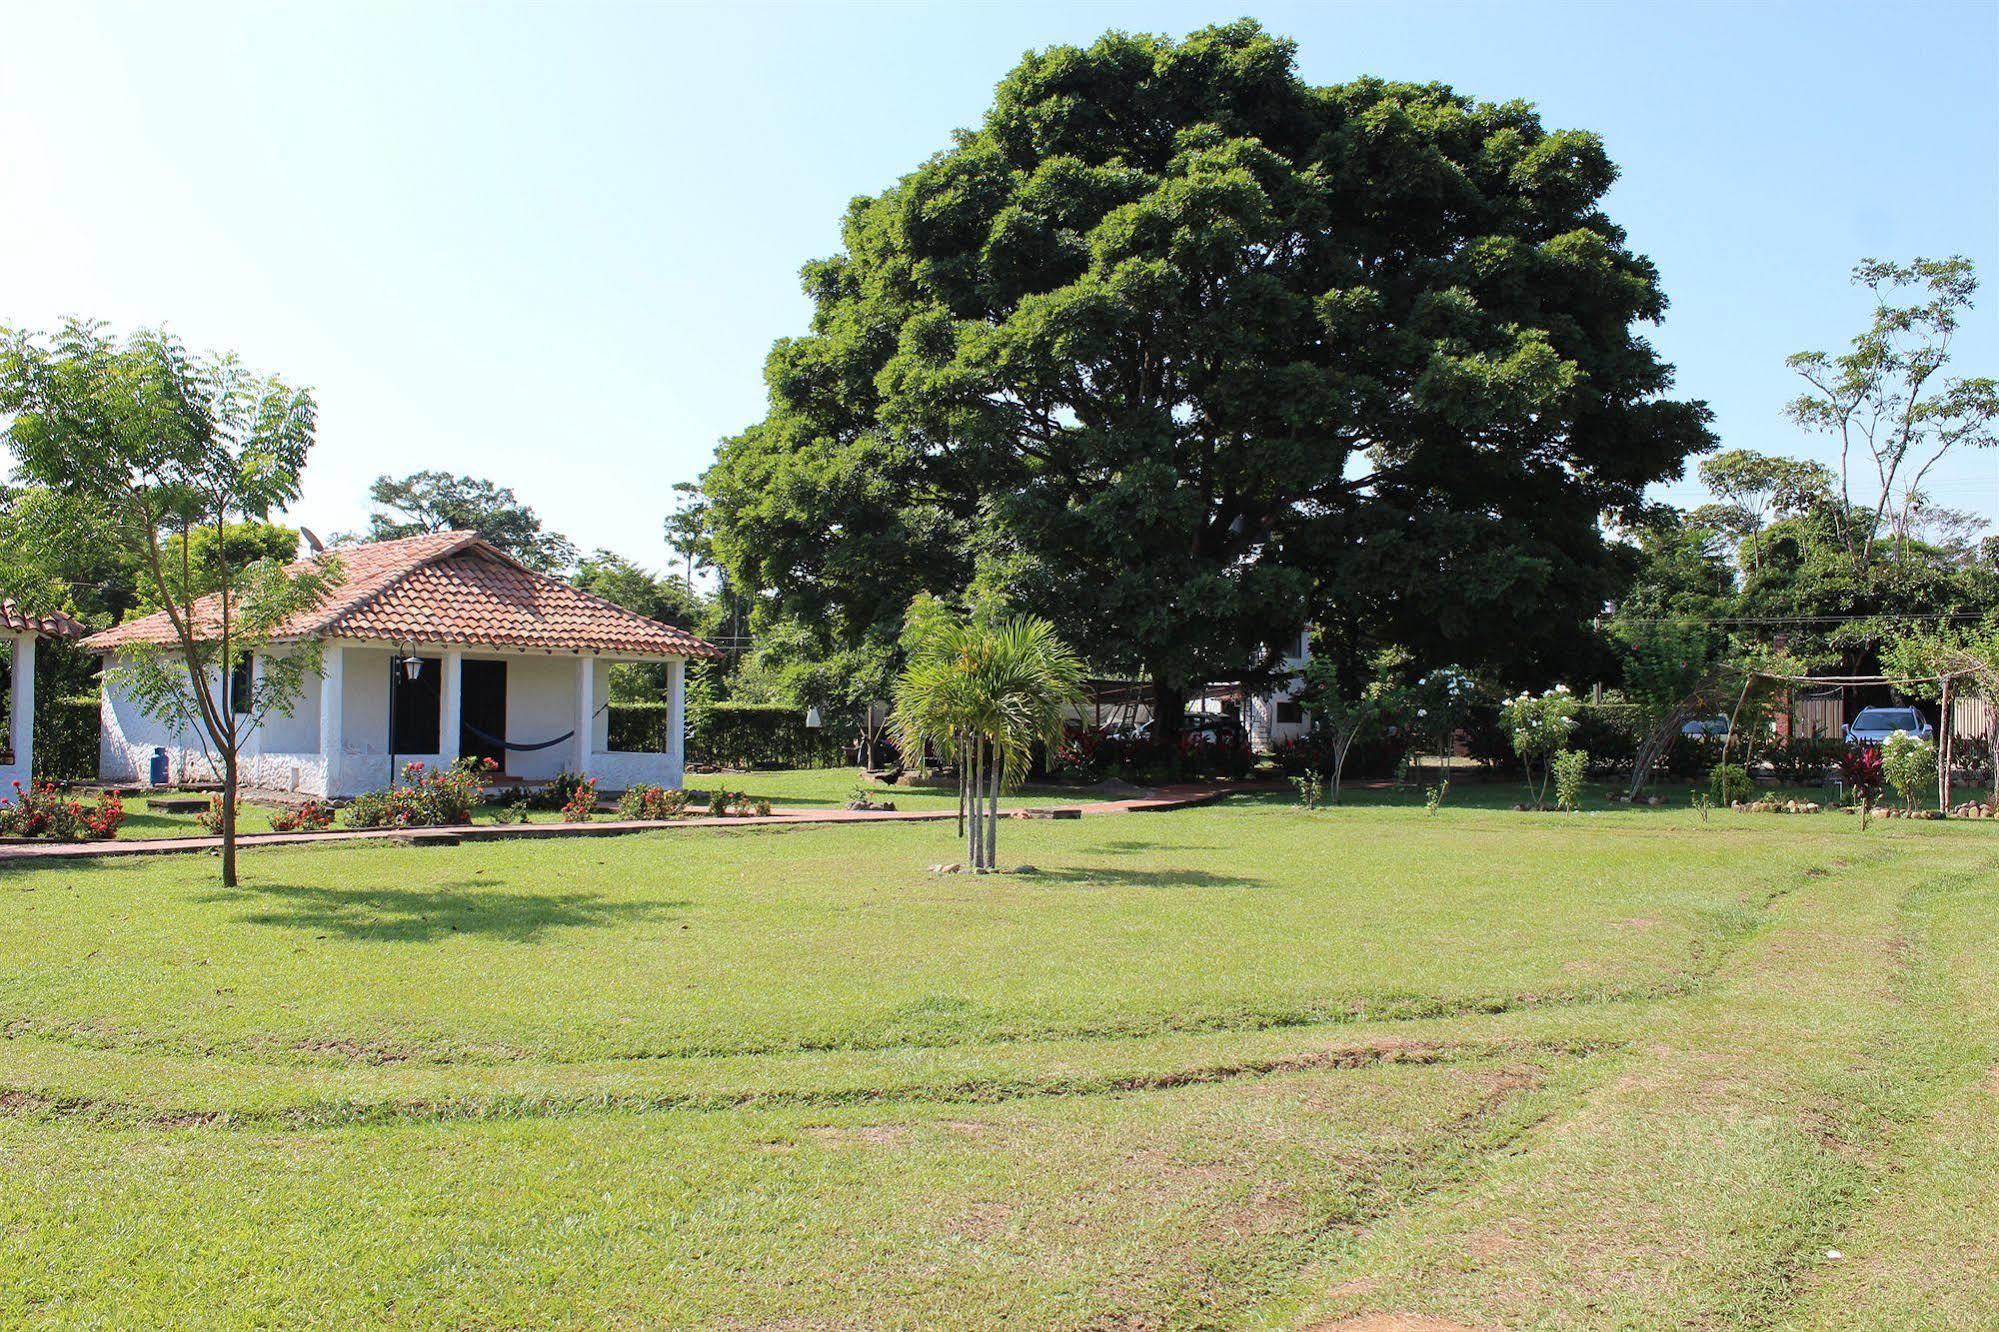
x,y
1163,799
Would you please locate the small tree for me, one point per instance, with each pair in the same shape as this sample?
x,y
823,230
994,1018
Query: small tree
x,y
161,444
1539,725
1672,673
1341,714
1908,762
987,692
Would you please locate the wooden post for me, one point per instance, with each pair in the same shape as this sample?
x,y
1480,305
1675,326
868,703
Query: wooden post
x,y
1943,754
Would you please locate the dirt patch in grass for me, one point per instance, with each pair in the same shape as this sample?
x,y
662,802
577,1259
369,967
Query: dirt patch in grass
x,y
1393,1322
865,1135
352,1050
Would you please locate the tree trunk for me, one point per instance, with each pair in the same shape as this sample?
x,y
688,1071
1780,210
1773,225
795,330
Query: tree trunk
x,y
1943,755
992,824
974,825
229,818
964,769
1169,708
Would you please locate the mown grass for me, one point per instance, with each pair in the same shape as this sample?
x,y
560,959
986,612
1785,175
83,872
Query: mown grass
x,y
1237,1065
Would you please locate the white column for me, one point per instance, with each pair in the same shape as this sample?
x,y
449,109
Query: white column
x,y
331,742
586,711
23,720
676,722
449,708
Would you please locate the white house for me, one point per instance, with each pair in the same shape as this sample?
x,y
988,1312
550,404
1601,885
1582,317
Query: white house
x,y
431,647
17,758
1273,717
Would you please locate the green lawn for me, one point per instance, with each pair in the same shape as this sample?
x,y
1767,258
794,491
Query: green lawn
x,y
1244,1065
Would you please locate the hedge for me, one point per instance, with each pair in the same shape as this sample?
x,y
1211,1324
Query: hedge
x,y
66,739
762,735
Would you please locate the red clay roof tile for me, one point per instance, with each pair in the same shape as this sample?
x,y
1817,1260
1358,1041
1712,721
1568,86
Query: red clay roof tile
x,y
53,625
449,588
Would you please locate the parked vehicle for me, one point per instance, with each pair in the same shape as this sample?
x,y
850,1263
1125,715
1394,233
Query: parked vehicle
x,y
1705,728
1871,726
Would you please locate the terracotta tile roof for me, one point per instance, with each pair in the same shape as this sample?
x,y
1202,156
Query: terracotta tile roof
x,y
53,625
449,588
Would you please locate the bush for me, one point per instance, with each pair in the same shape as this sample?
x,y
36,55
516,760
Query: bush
x,y
637,728
426,798
1571,770
649,802
581,806
1729,782
1909,764
210,819
43,811
1860,770
1803,760
762,735
313,816
66,732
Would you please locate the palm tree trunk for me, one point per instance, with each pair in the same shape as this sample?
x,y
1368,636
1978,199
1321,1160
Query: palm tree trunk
x,y
964,768
974,826
992,826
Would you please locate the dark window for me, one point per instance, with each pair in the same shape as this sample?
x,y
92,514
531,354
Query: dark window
x,y
418,707
241,684
1289,713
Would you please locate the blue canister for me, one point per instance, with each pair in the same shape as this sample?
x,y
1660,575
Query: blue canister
x,y
158,772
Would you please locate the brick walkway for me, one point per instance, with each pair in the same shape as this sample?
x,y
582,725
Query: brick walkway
x,y
1164,799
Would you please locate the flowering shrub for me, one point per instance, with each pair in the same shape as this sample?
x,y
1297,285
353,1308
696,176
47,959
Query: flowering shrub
x,y
425,798
312,816
210,819
1909,763
646,801
1539,725
43,811
582,803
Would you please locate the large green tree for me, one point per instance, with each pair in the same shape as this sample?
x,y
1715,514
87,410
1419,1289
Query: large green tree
x,y
1181,352
440,502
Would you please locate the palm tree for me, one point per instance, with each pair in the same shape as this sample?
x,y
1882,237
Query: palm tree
x,y
985,693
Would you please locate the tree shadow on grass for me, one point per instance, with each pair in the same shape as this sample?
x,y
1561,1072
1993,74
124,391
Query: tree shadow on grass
x,y
1105,877
422,915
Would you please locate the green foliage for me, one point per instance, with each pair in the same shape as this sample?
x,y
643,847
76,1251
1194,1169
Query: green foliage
x,y
43,811
1117,352
153,444
649,802
581,807
440,502
986,691
1888,400
1730,782
1311,788
425,797
1538,726
761,735
1571,771
66,735
1909,763
306,816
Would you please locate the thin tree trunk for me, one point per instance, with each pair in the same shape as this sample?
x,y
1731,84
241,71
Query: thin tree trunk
x,y
964,769
974,826
1943,755
229,818
992,825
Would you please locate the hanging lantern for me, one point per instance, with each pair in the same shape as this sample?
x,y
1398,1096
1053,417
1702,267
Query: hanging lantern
x,y
812,718
412,664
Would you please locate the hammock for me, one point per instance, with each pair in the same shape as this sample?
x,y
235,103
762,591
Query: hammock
x,y
519,749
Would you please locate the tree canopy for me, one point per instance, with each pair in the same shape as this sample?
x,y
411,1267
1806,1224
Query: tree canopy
x,y
1181,351
432,501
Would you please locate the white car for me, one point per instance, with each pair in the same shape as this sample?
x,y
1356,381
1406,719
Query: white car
x,y
1870,726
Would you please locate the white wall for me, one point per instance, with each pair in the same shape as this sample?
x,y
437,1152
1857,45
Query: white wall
x,y
283,754
21,713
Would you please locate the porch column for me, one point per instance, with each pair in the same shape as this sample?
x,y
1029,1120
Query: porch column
x,y
586,711
331,742
23,718
449,709
676,722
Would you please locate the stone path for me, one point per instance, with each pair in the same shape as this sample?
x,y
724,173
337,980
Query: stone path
x,y
1163,799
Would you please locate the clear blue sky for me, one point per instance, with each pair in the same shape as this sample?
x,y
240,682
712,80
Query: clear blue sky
x,y
551,244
